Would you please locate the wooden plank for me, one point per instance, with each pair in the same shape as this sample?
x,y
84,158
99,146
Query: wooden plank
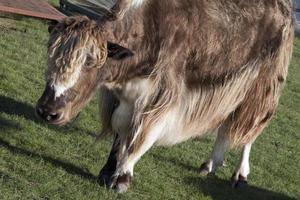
x,y
40,9
30,13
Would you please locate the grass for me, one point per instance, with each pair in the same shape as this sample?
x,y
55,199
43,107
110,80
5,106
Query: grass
x,y
38,161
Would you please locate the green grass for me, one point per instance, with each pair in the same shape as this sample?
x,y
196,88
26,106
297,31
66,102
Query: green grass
x,y
38,161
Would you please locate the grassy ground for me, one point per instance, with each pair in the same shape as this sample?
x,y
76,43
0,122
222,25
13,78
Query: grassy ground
x,y
45,162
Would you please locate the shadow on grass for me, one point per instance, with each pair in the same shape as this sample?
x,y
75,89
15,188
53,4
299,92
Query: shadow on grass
x,y
175,161
68,167
6,124
219,189
12,107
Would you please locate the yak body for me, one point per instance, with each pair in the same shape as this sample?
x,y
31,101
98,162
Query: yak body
x,y
194,66
198,66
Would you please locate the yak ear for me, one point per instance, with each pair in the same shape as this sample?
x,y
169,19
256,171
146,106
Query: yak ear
x,y
118,52
51,26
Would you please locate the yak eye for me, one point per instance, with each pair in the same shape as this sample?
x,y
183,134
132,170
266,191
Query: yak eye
x,y
89,61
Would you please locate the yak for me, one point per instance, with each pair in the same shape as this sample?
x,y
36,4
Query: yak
x,y
171,70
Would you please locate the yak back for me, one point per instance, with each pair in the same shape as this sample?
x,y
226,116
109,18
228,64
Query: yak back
x,y
201,42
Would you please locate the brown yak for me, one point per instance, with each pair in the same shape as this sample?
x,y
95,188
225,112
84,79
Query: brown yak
x,y
171,70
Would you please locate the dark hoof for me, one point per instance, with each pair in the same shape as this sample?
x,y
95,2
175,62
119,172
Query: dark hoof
x,y
239,182
204,169
105,178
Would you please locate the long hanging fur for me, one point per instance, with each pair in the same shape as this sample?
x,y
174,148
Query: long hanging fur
x,y
243,49
259,104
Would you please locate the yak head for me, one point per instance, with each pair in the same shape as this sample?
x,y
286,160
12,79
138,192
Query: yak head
x,y
77,52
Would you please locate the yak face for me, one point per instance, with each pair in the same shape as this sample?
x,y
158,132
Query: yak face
x,y
77,52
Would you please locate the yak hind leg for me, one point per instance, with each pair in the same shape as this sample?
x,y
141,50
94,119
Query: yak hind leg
x,y
239,177
216,158
246,124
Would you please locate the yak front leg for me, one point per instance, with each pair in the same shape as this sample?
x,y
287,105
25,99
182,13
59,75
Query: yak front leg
x,y
107,172
135,151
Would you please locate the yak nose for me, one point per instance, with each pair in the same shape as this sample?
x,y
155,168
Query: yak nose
x,y
46,114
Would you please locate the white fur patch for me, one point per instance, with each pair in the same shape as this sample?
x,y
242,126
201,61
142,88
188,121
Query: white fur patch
x,y
60,88
136,3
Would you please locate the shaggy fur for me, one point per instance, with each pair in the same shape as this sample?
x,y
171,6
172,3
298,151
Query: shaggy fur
x,y
241,50
193,66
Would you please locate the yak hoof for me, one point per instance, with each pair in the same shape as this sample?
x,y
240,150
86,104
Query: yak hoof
x,y
238,181
120,183
122,187
105,178
204,169
123,183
